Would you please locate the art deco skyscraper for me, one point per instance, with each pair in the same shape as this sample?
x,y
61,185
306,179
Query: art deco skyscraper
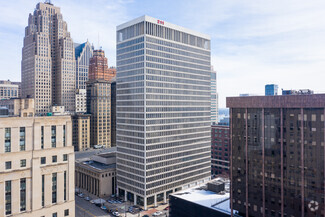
x,y
48,60
83,53
98,68
99,100
163,109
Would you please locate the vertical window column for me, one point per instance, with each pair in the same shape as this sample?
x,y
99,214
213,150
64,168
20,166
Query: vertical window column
x,y
54,187
42,137
53,136
8,140
23,194
22,139
8,197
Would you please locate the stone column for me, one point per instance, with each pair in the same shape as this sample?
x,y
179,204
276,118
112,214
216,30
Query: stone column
x,y
15,196
47,191
60,187
144,203
125,196
135,199
2,197
28,194
155,199
165,197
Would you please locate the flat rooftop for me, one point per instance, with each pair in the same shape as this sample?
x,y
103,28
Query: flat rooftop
x,y
278,101
84,155
219,202
97,165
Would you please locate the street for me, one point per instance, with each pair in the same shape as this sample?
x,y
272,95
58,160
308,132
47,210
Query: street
x,y
86,209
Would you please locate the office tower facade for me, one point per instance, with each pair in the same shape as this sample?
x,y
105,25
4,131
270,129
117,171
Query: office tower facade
x,y
81,131
214,98
98,68
277,155
8,90
99,108
163,109
37,166
81,105
83,52
113,112
220,150
48,61
271,89
19,107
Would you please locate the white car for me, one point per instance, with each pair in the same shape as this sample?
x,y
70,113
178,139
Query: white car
x,y
116,214
157,213
81,195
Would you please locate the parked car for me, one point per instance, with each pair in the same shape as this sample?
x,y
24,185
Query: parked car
x,y
116,214
87,198
92,201
158,213
167,208
81,195
103,207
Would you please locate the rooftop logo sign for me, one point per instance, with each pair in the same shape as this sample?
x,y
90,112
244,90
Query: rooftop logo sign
x,y
161,22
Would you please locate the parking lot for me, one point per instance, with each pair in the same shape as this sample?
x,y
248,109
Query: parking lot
x,y
86,208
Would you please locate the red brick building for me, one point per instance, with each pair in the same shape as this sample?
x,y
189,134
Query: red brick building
x,y
98,68
220,150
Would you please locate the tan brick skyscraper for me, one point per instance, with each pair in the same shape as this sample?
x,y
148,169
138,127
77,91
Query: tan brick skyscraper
x,y
98,68
48,67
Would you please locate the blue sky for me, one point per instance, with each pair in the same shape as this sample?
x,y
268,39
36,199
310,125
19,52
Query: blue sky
x,y
253,42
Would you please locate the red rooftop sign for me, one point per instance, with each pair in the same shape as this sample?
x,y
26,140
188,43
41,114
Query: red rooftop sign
x,y
160,22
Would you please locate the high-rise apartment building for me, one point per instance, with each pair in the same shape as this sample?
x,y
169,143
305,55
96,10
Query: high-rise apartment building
x,y
48,67
83,52
277,155
98,68
9,89
214,98
163,109
271,89
99,106
36,166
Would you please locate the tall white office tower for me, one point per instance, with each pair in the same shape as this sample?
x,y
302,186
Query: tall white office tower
x,y
163,109
214,97
48,68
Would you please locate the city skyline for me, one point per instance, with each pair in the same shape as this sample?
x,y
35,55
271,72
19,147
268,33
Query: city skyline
x,y
280,39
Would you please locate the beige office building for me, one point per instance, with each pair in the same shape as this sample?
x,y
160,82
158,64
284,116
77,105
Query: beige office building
x,y
9,89
48,60
96,174
36,167
99,106
19,107
81,132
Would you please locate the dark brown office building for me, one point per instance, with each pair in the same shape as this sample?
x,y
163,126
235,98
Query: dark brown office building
x,y
277,155
220,150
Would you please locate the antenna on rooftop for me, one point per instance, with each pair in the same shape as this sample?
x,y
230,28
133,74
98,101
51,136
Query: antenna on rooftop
x,y
98,40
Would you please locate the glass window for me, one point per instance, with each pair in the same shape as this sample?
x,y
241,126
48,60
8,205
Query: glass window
x,y
65,157
42,137
8,197
66,212
53,136
23,163
8,165
8,140
22,139
23,194
54,187
54,159
43,160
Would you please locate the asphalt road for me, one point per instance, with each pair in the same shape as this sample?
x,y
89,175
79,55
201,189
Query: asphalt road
x,y
86,209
